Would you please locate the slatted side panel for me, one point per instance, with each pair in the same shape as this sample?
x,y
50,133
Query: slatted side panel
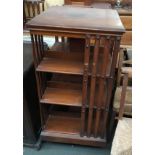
x,y
85,85
102,84
110,83
93,86
38,49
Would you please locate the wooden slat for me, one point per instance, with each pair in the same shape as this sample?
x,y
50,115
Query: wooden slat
x,y
93,84
101,84
85,82
110,84
38,50
40,46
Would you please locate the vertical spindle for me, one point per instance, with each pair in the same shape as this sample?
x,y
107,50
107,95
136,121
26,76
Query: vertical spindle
x,y
85,83
93,84
37,76
110,83
101,83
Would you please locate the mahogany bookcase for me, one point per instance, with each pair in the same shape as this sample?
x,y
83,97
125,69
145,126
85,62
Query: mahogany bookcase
x,y
75,78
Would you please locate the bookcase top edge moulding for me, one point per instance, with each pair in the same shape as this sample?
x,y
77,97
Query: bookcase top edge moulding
x,y
75,77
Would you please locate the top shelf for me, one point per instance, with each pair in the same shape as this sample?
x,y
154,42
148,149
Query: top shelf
x,y
68,63
77,18
62,62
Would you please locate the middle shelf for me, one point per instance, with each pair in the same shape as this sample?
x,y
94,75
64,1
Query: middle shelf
x,y
62,93
67,90
62,62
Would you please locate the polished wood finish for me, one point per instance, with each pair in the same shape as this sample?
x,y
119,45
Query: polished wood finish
x,y
85,84
63,94
94,66
101,83
63,123
60,62
93,84
76,18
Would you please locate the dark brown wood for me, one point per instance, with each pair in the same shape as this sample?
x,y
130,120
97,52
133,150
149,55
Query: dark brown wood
x,y
73,139
60,64
93,84
101,83
63,94
110,83
37,77
92,65
101,20
85,83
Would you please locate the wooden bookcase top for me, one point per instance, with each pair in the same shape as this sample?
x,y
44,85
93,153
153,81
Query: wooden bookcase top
x,y
76,18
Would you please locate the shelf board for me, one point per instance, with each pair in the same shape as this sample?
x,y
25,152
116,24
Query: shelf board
x,y
63,123
64,127
61,93
62,62
60,66
69,63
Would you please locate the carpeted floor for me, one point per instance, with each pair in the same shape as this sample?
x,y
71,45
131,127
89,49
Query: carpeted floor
x,y
66,149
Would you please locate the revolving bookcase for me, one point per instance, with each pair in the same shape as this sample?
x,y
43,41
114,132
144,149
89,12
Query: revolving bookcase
x,y
75,76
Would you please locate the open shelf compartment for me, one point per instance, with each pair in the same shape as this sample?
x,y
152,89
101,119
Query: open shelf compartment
x,y
65,127
69,62
63,122
62,93
62,62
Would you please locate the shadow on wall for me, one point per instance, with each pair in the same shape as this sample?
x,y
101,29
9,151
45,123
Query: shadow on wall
x,y
49,3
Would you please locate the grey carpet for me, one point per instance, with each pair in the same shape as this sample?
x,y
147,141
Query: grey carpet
x,y
66,149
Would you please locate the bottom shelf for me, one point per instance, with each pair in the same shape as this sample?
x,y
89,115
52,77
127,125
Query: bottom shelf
x,y
61,122
65,128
